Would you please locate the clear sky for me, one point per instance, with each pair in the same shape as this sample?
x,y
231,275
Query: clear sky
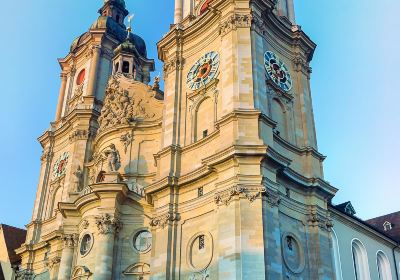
x,y
354,84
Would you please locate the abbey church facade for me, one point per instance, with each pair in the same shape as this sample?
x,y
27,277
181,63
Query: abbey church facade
x,y
215,176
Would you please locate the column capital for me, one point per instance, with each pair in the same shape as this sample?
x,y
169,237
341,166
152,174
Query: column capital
x,y
108,224
70,240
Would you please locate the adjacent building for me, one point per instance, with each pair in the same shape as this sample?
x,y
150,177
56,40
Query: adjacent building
x,y
11,238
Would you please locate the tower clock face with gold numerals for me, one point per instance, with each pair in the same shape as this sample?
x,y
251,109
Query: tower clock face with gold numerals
x,y
277,71
203,71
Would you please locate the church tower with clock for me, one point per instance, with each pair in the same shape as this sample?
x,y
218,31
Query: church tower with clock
x,y
216,177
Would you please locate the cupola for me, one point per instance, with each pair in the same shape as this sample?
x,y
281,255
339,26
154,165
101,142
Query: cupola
x,y
130,58
115,9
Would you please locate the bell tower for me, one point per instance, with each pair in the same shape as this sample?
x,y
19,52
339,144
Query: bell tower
x,y
239,146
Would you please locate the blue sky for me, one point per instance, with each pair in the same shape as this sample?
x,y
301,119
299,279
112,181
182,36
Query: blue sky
x,y
354,85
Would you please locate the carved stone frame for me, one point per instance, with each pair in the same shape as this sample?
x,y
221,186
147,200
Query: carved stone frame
x,y
196,98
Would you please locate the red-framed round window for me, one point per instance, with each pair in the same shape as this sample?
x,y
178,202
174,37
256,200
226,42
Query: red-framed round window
x,y
81,77
204,7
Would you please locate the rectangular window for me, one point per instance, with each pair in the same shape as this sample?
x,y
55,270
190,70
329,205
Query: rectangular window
x,y
205,133
201,242
200,192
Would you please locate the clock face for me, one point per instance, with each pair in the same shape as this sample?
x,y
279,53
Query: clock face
x,y
203,71
60,165
277,71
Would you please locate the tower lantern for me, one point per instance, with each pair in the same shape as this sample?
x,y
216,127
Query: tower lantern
x,y
115,9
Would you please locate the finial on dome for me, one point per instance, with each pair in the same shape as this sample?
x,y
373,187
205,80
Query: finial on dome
x,y
129,29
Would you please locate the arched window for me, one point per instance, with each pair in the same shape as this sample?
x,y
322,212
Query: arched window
x,y
125,67
336,256
279,115
387,226
204,119
81,77
385,272
360,260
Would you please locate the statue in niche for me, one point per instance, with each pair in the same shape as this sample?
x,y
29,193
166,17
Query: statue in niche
x,y
78,179
113,158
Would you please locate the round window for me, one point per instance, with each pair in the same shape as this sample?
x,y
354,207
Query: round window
x,y
81,77
142,241
86,244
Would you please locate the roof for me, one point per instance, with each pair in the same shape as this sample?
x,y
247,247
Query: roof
x,y
347,208
379,230
393,219
14,238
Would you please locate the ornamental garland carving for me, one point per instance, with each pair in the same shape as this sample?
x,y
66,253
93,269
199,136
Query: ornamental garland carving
x,y
107,224
162,221
81,134
121,106
234,22
126,140
249,192
272,198
315,219
172,65
70,240
201,275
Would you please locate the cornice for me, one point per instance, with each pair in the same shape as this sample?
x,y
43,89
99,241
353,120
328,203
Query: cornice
x,y
119,191
268,121
300,151
310,184
266,20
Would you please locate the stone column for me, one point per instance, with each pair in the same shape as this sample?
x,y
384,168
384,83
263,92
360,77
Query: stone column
x,y
178,11
61,96
108,226
91,89
52,267
67,256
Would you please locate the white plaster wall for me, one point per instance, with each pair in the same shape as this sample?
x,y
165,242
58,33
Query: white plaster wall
x,y
346,232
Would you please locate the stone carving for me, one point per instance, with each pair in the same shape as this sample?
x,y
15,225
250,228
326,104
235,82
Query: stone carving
x,y
113,158
234,22
85,224
202,275
70,240
258,24
316,220
81,134
107,224
25,274
121,107
92,176
273,198
126,140
78,179
173,65
249,192
162,221
52,262
46,155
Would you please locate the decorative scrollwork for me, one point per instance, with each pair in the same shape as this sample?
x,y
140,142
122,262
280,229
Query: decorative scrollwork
x,y
162,221
234,22
249,192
